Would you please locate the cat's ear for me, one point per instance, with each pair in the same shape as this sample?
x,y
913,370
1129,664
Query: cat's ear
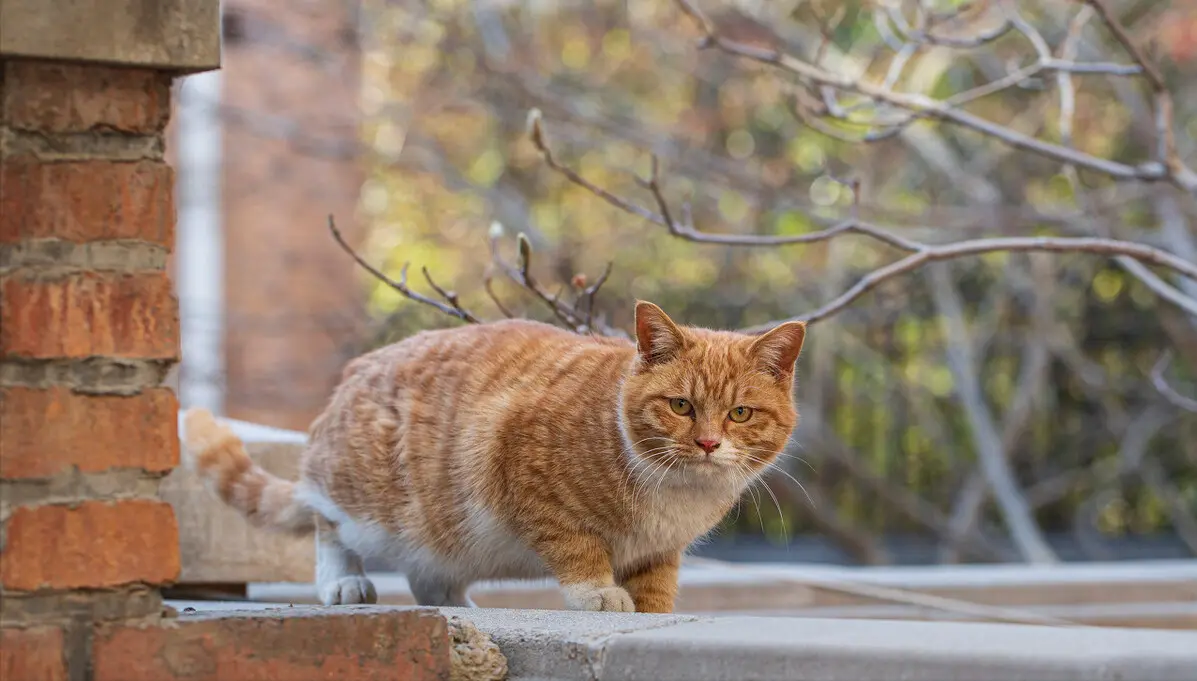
x,y
777,350
658,339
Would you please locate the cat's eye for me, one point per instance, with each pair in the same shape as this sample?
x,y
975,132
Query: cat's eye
x,y
740,414
681,407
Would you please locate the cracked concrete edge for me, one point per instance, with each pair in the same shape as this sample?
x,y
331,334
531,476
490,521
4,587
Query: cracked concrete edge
x,y
558,645
473,656
566,646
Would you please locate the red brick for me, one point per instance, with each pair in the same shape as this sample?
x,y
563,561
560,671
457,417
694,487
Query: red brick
x,y
299,644
86,200
89,314
95,544
49,431
67,98
32,654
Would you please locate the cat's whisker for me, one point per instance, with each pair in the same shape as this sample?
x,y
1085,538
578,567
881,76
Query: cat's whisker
x,y
660,468
756,499
780,455
664,472
779,469
780,516
649,460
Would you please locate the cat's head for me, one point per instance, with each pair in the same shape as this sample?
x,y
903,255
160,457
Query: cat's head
x,y
711,403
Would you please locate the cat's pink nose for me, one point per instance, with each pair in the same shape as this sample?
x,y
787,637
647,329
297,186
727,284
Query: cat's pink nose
x,y
708,446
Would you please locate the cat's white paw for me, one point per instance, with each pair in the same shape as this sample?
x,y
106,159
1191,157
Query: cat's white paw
x,y
349,590
598,598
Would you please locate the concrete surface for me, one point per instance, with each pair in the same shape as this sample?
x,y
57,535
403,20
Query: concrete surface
x,y
1151,594
178,35
744,648
571,646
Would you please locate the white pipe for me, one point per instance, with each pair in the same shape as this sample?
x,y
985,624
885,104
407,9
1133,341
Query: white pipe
x,y
200,243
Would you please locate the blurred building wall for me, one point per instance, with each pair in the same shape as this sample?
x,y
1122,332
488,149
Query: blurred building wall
x,y
292,303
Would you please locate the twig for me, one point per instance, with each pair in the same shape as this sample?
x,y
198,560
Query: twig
x,y
920,36
1166,150
449,296
570,316
487,283
1160,287
592,290
940,109
1161,384
453,309
975,247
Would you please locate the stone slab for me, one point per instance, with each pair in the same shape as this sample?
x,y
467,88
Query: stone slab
x,y
559,645
575,646
176,35
792,649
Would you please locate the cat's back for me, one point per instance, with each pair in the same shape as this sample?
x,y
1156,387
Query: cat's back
x,y
445,382
476,355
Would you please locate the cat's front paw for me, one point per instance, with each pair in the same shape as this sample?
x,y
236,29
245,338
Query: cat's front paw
x,y
349,590
597,598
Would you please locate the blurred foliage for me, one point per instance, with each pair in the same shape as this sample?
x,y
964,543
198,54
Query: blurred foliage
x,y
448,86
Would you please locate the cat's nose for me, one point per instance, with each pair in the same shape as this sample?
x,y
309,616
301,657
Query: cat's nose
x,y
708,446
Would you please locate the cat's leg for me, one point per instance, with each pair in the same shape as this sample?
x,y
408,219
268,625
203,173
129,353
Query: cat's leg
x,y
654,587
582,566
340,575
431,590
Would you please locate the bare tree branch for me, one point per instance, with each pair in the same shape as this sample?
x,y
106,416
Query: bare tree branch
x,y
920,253
1161,384
453,309
1016,511
1166,150
572,316
1167,169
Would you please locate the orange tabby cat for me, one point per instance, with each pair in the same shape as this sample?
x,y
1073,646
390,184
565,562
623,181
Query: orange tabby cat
x,y
517,450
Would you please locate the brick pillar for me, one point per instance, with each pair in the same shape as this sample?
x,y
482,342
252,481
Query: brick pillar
x,y
89,325
89,329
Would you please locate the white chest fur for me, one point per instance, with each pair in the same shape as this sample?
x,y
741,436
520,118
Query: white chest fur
x,y
669,521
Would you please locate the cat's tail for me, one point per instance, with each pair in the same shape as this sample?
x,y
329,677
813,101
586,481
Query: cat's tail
x,y
218,456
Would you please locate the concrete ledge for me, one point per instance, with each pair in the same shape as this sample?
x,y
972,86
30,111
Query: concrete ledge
x,y
743,648
570,646
176,35
1137,594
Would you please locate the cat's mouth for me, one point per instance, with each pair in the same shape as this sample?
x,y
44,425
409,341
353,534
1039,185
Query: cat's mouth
x,y
701,459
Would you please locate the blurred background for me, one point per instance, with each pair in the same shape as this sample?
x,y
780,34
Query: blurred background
x,y
987,409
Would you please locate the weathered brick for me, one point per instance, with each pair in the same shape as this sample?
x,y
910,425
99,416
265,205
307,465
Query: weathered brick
x,y
294,644
86,200
34,654
67,98
88,314
92,545
48,431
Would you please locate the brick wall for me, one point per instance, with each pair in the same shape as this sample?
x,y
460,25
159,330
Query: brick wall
x,y
88,329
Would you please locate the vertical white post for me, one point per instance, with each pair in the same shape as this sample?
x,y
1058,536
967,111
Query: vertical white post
x,y
200,243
